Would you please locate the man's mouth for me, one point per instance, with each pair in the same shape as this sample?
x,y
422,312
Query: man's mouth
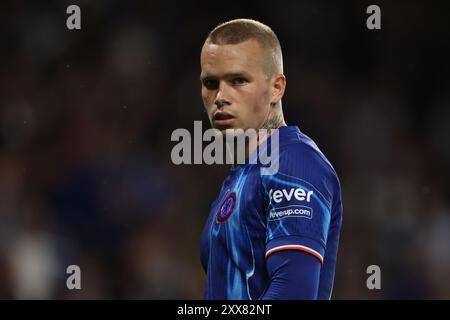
x,y
221,118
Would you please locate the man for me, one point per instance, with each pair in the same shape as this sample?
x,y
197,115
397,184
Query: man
x,y
267,236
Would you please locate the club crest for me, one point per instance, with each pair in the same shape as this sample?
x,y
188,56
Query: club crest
x,y
227,208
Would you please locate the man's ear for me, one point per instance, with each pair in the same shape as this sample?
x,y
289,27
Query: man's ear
x,y
278,87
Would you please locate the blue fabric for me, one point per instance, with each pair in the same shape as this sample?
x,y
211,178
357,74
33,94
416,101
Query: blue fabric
x,y
293,275
255,216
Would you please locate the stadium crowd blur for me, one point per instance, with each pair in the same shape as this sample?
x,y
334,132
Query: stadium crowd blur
x,y
86,118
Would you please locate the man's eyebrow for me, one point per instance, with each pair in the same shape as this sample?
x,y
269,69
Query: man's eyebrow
x,y
238,74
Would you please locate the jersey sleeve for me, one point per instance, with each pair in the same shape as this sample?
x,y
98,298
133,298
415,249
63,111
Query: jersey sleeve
x,y
298,201
293,275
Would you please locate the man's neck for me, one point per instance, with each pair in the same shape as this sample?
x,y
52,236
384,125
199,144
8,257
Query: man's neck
x,y
274,121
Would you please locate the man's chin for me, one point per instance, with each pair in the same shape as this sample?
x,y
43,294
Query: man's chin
x,y
229,130
233,129
224,128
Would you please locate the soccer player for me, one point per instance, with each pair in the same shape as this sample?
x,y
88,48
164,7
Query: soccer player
x,y
267,236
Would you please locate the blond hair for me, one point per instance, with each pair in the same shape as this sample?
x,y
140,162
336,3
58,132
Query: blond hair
x,y
240,30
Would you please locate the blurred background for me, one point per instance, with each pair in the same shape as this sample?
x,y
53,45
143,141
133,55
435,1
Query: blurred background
x,y
86,117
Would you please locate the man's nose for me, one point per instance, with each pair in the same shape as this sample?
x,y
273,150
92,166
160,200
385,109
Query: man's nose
x,y
222,95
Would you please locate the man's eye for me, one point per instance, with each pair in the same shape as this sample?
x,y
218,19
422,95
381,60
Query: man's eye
x,y
239,81
211,84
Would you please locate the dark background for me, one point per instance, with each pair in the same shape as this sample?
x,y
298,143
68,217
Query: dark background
x,y
86,117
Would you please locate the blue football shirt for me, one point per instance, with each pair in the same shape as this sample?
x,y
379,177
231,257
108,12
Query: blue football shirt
x,y
297,208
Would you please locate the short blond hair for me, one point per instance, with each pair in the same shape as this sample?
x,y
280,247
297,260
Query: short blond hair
x,y
240,30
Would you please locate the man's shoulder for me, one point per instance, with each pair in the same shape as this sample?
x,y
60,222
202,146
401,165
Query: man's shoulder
x,y
302,151
302,161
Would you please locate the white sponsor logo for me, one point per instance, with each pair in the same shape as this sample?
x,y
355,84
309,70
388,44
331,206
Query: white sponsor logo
x,y
301,195
291,211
